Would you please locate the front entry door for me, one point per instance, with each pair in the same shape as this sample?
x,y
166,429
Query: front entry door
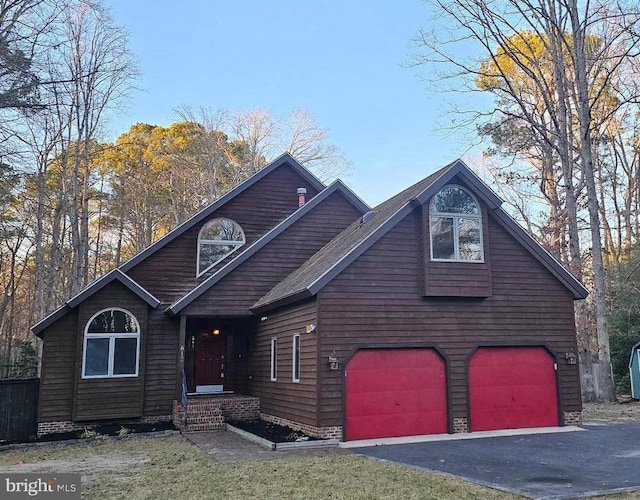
x,y
210,362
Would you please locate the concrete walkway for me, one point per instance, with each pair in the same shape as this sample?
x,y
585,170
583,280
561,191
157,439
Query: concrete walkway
x,y
230,447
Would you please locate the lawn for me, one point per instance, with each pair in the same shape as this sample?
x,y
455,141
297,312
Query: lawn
x,y
173,468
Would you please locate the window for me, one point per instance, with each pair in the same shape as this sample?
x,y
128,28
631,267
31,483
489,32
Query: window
x,y
111,345
296,358
455,226
217,239
274,359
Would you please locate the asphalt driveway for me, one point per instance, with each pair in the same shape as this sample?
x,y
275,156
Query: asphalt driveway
x,y
602,459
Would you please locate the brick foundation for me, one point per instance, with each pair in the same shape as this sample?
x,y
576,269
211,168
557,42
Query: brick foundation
x,y
69,426
239,407
334,432
460,425
58,427
573,418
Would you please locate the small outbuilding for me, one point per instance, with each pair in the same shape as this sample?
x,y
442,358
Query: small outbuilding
x,y
634,371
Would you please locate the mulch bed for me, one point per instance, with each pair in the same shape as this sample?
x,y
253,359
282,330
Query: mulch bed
x,y
97,430
273,432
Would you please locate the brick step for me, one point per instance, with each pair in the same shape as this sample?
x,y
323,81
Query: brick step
x,y
211,426
203,416
200,419
210,414
195,408
196,405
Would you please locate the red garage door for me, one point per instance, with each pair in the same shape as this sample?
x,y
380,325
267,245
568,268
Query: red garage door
x,y
395,392
511,388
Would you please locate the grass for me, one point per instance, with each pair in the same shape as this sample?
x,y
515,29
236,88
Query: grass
x,y
172,468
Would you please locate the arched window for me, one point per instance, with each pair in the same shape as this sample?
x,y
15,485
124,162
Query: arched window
x,y
456,226
111,345
217,239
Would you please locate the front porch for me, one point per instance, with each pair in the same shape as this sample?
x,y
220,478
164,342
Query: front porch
x,y
211,411
215,352
213,372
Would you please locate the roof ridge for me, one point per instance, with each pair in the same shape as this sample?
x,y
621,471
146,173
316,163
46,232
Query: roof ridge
x,y
265,239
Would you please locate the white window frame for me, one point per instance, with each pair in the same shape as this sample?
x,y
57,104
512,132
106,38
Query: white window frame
x,y
201,241
295,359
112,345
274,359
456,237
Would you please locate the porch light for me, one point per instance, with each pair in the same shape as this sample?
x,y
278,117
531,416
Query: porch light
x,y
216,332
310,328
334,363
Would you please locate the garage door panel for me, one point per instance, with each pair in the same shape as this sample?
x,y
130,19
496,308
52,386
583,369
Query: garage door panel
x,y
367,427
395,392
408,358
512,387
372,380
397,402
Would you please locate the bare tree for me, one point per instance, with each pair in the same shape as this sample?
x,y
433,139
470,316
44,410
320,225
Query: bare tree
x,y
554,67
250,139
308,142
98,70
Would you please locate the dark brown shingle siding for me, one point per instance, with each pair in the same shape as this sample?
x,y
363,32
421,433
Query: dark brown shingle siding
x,y
285,398
58,370
377,299
162,355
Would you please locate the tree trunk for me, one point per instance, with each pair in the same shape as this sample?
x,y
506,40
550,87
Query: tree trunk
x,y
605,384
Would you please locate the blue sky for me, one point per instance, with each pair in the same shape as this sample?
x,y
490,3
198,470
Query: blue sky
x,y
341,60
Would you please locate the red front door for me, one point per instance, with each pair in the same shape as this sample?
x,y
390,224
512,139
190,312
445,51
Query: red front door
x,y
210,362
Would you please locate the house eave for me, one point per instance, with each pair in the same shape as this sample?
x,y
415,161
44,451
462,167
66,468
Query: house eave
x,y
282,301
576,288
96,286
50,319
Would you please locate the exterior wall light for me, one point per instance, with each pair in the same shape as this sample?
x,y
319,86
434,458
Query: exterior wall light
x,y
334,363
571,358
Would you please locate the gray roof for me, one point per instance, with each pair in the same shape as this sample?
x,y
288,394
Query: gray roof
x,y
96,286
333,258
336,186
285,158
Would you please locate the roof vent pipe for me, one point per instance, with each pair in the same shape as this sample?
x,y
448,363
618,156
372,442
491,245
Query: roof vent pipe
x,y
302,196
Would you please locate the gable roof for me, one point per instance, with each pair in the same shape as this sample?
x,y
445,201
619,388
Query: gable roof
x,y
336,187
206,212
96,286
345,248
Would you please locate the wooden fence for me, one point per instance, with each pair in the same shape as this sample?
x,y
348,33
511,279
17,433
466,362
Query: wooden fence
x,y
18,409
